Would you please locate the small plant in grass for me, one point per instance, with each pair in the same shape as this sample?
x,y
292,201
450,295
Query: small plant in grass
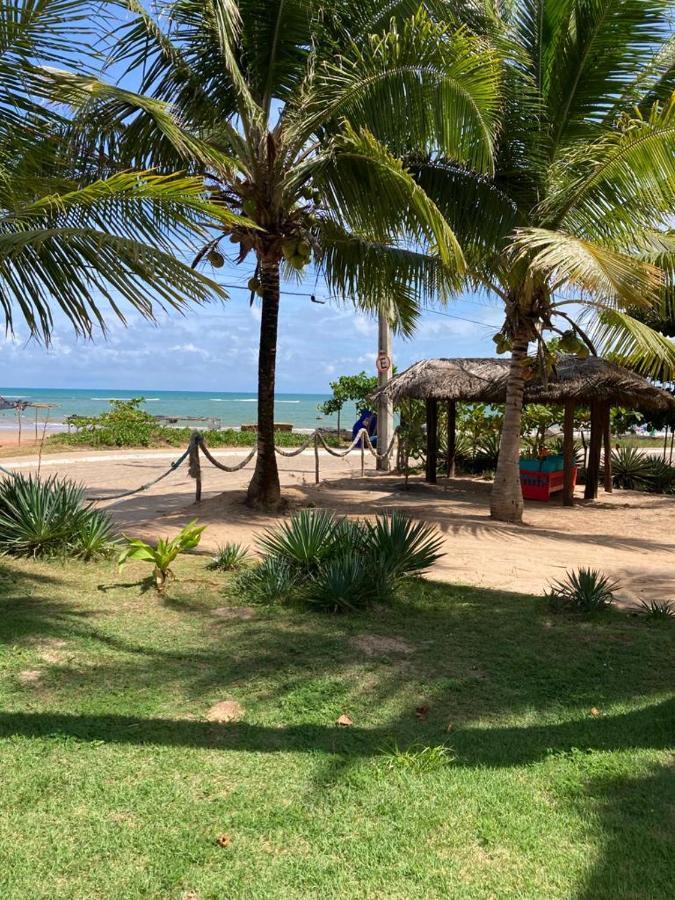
x,y
229,557
51,517
162,554
658,610
417,758
585,590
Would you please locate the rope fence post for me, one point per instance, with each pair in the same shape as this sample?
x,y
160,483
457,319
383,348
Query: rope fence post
x,y
316,458
363,452
195,469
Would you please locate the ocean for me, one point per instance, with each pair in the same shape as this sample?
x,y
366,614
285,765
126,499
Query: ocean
x,y
220,408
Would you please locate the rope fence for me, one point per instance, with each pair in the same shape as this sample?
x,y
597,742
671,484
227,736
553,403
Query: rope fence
x,y
197,446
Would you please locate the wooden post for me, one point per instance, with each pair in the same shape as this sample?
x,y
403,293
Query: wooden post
x,y
607,441
385,406
316,458
432,441
452,438
594,450
363,452
195,466
568,454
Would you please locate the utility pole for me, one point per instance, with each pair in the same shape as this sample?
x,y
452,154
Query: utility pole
x,y
385,407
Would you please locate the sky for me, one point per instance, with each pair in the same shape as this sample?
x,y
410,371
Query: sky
x,y
215,347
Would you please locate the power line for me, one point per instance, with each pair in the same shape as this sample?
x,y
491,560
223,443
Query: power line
x,y
436,312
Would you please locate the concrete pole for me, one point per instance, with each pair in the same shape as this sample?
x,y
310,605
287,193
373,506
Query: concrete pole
x,y
385,407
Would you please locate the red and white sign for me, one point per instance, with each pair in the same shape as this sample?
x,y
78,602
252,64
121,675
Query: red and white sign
x,y
383,363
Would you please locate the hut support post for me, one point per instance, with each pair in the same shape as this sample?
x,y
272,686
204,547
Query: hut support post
x,y
568,455
594,451
452,438
432,440
607,442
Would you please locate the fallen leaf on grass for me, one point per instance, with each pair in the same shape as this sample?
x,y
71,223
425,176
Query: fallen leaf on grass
x,y
421,712
344,720
595,711
223,840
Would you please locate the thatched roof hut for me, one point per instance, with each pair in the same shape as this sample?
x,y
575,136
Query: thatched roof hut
x,y
582,381
591,382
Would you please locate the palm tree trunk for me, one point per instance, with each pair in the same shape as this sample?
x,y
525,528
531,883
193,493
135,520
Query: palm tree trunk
x,y
264,489
506,502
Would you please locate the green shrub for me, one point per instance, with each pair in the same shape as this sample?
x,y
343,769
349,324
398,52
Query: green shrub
x,y
228,557
631,468
274,580
585,590
50,517
125,424
305,541
341,564
661,476
658,610
163,553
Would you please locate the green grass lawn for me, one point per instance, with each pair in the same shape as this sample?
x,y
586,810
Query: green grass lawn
x,y
115,785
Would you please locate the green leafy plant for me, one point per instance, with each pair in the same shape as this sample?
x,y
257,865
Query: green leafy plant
x,y
341,564
417,758
50,517
631,468
228,557
125,424
658,610
403,547
584,590
162,554
274,580
308,538
661,476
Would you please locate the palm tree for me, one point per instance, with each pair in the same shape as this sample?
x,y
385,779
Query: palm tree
x,y
67,241
571,232
306,109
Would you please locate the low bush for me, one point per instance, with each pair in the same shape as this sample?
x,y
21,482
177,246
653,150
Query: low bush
x,y
585,590
341,564
50,517
228,557
631,468
658,610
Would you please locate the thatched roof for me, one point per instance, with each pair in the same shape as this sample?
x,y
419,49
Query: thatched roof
x,y
484,381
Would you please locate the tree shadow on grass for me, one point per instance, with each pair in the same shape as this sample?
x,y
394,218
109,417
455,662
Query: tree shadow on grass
x,y
638,813
647,728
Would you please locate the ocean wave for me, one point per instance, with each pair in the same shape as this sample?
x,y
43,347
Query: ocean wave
x,y
231,400
287,401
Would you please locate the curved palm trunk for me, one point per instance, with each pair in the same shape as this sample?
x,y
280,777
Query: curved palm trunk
x,y
264,489
506,501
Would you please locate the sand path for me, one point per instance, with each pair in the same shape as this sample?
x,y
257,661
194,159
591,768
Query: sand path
x,y
628,535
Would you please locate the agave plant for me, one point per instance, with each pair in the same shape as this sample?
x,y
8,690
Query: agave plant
x,y
305,541
274,580
162,554
403,547
661,478
631,468
228,557
658,610
49,517
344,584
585,590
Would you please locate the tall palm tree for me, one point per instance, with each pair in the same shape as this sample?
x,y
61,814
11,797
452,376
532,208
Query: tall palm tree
x,y
66,241
306,108
572,231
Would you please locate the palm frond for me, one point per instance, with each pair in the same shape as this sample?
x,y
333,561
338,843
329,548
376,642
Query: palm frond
x,y
373,194
622,181
608,275
420,85
636,345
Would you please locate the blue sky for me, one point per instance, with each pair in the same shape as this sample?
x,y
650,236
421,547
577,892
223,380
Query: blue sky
x,y
215,347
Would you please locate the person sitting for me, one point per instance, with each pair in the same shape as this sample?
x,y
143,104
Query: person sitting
x,y
367,420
